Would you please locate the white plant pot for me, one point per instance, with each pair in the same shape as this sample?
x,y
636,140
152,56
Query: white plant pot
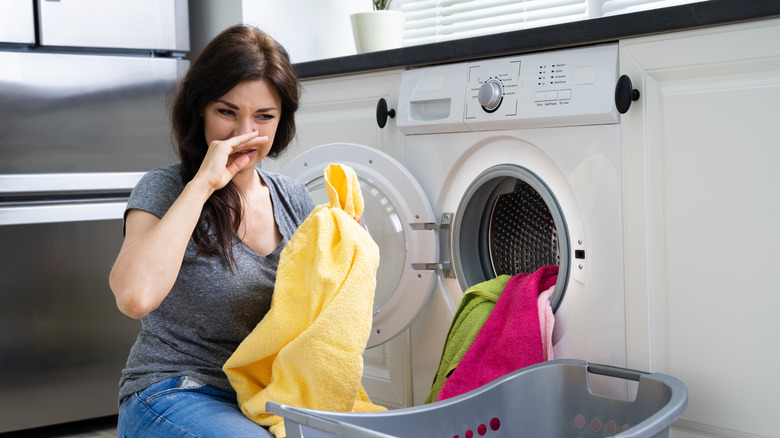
x,y
377,30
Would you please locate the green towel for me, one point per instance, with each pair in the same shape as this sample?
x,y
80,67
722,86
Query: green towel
x,y
474,308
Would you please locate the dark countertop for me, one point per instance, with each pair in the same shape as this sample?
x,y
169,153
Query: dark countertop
x,y
592,31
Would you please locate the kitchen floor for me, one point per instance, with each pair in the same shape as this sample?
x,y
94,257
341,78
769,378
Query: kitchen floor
x,y
97,428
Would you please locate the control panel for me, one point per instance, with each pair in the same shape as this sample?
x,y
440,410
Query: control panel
x,y
543,89
570,87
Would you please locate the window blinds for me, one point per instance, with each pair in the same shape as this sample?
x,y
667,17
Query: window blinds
x,y
614,7
429,21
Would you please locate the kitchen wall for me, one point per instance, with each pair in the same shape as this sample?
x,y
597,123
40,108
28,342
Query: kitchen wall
x,y
313,30
308,29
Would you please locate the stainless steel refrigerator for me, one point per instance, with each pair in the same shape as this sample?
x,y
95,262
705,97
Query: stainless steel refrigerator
x,y
84,86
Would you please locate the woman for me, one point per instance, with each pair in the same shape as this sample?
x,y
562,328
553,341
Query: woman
x,y
203,239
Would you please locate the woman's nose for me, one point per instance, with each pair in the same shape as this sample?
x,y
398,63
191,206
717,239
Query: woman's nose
x,y
246,125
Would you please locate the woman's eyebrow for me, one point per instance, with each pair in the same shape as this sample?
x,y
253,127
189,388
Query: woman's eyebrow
x,y
228,104
235,107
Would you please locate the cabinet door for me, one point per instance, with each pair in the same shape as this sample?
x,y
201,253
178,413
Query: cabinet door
x,y
701,153
342,109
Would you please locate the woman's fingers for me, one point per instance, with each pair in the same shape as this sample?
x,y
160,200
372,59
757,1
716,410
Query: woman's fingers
x,y
236,164
240,139
248,144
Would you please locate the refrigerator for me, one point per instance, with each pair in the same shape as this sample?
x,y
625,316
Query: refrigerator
x,y
84,89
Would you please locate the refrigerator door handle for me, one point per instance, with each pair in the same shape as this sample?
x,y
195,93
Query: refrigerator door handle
x,y
33,184
66,212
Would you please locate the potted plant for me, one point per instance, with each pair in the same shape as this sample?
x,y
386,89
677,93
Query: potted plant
x,y
380,29
381,5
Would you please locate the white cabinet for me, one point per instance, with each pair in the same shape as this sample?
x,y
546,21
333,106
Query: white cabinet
x,y
342,109
701,155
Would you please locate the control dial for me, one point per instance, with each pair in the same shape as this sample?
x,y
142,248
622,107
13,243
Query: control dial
x,y
490,95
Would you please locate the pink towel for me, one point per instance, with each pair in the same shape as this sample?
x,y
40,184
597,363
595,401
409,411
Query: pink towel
x,y
546,323
509,340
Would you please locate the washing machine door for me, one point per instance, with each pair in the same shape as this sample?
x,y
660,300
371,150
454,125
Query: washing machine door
x,y
399,218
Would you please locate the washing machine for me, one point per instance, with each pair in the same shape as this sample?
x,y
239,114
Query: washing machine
x,y
510,164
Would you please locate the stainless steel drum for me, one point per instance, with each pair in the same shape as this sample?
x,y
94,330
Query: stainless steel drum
x,y
509,222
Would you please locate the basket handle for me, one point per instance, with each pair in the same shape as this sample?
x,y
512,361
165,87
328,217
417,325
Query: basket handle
x,y
612,371
658,422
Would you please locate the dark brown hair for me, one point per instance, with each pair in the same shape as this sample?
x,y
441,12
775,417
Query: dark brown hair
x,y
240,53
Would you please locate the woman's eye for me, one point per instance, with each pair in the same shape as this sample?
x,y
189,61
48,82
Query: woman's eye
x,y
226,112
264,116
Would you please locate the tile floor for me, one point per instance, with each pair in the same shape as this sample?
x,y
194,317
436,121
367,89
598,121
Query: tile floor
x,y
97,428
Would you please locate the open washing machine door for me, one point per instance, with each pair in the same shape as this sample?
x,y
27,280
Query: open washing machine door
x,y
399,218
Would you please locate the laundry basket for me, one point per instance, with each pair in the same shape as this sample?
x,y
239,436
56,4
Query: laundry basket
x,y
548,400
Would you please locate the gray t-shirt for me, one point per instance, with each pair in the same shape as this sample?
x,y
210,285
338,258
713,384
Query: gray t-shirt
x,y
210,309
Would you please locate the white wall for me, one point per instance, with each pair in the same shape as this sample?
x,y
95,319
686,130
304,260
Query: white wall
x,y
308,29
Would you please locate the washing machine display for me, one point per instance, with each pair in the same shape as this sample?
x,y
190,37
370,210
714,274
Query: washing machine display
x,y
515,164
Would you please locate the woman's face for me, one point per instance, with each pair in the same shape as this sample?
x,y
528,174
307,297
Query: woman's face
x,y
252,105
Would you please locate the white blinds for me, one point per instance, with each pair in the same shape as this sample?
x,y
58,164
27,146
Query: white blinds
x,y
429,21
614,7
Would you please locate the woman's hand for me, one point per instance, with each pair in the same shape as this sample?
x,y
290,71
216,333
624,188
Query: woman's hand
x,y
218,167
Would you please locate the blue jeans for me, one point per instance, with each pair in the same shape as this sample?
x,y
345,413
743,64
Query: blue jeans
x,y
183,407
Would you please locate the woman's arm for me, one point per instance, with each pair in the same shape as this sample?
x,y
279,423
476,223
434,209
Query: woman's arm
x,y
151,255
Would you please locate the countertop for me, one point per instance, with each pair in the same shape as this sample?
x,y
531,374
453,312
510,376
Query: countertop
x,y
585,32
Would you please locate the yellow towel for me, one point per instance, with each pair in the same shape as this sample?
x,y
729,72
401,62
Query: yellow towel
x,y
307,351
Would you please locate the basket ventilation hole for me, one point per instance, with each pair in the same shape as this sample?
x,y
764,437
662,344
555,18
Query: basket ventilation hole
x,y
579,421
482,429
611,427
595,424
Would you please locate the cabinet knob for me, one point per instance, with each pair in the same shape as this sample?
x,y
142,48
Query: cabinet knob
x,y
382,113
625,93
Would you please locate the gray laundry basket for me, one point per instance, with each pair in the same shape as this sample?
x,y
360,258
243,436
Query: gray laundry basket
x,y
548,400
